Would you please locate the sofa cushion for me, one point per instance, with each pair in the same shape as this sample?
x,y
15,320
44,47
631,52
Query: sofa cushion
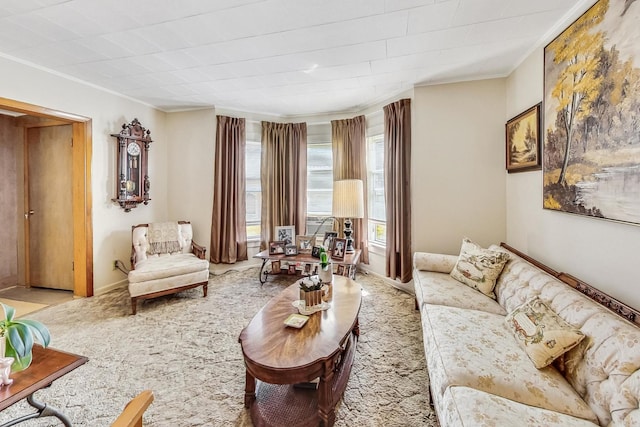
x,y
478,267
167,265
442,289
476,350
542,334
464,406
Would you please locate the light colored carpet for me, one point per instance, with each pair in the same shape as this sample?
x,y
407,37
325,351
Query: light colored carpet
x,y
185,348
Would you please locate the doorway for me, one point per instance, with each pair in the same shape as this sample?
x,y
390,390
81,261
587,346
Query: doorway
x,y
78,187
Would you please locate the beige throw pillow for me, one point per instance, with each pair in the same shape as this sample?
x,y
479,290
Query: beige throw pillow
x,y
542,334
478,267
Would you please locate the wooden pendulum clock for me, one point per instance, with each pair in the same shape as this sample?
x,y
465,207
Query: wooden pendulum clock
x,y
133,182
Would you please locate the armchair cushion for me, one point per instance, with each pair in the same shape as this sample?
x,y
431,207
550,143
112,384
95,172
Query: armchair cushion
x,y
169,265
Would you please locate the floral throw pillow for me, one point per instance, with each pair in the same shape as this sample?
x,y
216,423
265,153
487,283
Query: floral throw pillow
x,y
478,267
542,334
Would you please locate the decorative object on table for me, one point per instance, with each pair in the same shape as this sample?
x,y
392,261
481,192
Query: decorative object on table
x,y
325,273
285,233
340,271
5,370
296,320
275,267
277,247
312,292
290,250
307,269
327,242
339,248
348,203
132,182
19,335
315,251
304,244
591,130
292,269
523,141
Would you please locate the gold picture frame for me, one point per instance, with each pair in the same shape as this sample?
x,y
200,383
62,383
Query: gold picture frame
x,y
523,142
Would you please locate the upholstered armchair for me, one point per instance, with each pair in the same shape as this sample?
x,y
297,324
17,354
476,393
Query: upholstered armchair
x,y
165,260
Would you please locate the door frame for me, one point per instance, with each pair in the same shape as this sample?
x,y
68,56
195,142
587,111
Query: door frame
x,y
81,188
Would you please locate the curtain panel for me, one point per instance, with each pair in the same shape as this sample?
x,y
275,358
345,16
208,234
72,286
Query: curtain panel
x,y
349,142
228,224
283,177
397,179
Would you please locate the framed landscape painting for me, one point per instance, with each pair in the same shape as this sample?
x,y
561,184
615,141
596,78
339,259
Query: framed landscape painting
x,y
592,114
523,141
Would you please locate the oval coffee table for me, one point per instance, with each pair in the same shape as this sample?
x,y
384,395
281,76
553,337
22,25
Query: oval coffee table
x,y
286,360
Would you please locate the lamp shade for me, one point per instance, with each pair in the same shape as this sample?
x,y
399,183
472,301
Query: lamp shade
x,y
348,199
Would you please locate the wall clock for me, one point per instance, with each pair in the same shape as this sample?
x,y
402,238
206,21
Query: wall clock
x,y
132,184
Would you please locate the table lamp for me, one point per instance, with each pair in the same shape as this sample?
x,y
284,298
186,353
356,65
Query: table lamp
x,y
348,203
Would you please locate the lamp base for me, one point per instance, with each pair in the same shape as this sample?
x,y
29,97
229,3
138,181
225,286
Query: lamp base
x,y
348,231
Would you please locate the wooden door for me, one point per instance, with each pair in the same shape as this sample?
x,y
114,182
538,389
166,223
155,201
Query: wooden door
x,y
49,214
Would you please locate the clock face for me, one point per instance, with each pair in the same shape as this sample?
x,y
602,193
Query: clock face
x,y
133,149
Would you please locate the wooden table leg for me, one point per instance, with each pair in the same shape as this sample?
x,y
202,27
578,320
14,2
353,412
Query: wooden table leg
x,y
249,390
326,410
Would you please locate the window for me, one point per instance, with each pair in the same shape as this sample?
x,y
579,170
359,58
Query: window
x,y
253,189
375,185
319,177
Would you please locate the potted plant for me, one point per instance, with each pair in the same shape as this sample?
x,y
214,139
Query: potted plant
x,y
311,292
326,268
18,337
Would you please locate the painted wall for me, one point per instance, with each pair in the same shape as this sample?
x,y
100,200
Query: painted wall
x,y
602,253
111,225
458,166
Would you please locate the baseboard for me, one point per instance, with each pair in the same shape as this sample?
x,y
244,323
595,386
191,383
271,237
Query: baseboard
x,y
405,287
113,286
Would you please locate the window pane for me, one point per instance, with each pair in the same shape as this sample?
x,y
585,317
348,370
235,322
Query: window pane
x,y
377,211
253,189
319,179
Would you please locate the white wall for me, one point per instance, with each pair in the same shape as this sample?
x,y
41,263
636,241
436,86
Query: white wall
x,y
602,253
111,225
458,166
191,138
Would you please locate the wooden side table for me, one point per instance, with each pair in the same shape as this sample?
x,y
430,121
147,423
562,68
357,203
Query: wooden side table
x,y
350,261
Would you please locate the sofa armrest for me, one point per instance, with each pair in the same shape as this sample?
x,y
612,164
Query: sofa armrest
x,y
440,263
199,251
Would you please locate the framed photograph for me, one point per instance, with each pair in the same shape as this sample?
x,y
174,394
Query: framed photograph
x,y
340,271
304,244
290,250
591,101
523,141
315,251
275,267
285,233
315,269
339,247
307,268
327,242
292,269
276,248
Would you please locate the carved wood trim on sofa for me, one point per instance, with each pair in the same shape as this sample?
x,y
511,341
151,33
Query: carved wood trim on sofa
x,y
619,308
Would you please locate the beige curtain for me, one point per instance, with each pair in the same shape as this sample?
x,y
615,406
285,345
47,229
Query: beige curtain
x,y
397,178
228,225
283,177
349,142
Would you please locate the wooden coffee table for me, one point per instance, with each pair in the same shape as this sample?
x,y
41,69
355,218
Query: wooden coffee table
x,y
281,357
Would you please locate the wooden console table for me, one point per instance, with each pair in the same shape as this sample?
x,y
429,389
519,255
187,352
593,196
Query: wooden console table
x,y
278,358
47,366
350,261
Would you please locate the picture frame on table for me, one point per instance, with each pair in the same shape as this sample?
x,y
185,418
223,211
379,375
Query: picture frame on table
x,y
327,242
339,248
275,267
276,247
523,142
292,269
307,268
304,244
340,271
315,251
290,250
285,233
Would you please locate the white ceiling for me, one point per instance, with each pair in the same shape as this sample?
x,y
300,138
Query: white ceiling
x,y
284,57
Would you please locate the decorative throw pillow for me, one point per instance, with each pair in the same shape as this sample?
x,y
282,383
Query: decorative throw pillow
x,y
478,267
542,334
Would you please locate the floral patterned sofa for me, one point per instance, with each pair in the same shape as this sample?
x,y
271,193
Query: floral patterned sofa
x,y
481,376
